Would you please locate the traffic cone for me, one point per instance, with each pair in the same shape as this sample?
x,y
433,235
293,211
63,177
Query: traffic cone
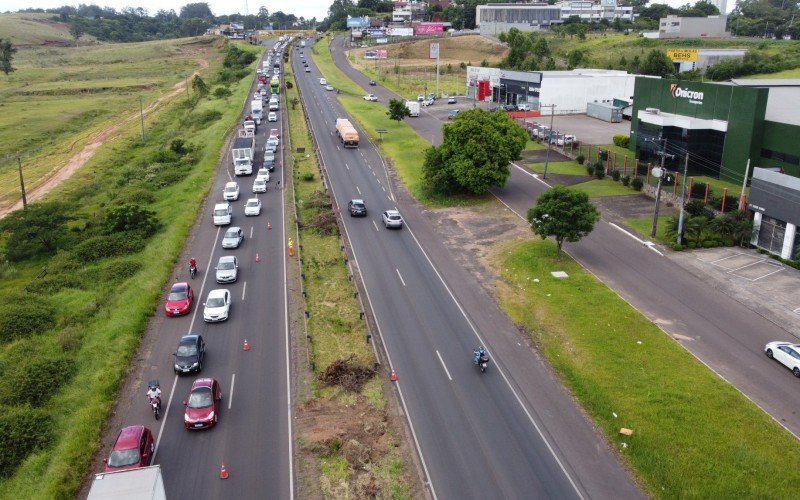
x,y
223,474
393,376
245,346
258,258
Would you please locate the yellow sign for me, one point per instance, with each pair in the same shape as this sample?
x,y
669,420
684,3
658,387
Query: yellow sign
x,y
683,55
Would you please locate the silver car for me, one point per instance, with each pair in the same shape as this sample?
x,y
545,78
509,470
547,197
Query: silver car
x,y
391,218
227,269
233,237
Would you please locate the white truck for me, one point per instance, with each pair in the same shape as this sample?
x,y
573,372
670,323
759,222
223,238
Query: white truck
x,y
144,483
249,126
257,110
302,43
242,152
413,108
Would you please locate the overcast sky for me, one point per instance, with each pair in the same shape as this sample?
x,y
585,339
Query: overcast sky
x,y
304,8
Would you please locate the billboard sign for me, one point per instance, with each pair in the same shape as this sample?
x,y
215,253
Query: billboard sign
x,y
400,31
357,22
376,33
433,52
429,29
376,54
381,40
682,55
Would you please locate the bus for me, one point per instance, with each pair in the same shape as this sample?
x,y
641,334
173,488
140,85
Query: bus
x,y
275,85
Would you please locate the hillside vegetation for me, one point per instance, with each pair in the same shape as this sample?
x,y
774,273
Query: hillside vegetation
x,y
33,29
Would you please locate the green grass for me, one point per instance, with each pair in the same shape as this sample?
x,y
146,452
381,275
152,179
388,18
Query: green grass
x,y
693,434
532,145
101,331
60,97
643,226
559,167
35,29
789,73
597,188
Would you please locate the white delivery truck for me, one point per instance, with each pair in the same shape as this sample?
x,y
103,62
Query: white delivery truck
x,y
242,153
144,483
413,108
257,110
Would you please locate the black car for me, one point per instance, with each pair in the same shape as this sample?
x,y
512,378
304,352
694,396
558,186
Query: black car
x,y
190,354
510,107
373,82
357,208
269,163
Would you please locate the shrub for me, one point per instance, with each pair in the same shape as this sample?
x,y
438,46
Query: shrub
x,y
136,195
222,92
710,244
699,190
308,176
677,247
24,316
52,283
637,183
34,380
590,169
119,270
580,159
695,208
626,180
203,118
599,172
131,218
105,246
615,174
289,85
23,430
621,140
731,202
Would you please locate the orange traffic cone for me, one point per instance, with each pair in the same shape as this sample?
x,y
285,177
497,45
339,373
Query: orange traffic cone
x,y
223,474
393,376
258,258
245,346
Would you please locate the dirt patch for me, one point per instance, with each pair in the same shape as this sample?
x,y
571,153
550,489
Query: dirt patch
x,y
618,208
344,373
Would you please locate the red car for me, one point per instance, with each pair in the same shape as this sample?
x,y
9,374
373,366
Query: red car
x,y
133,449
203,405
179,300
274,133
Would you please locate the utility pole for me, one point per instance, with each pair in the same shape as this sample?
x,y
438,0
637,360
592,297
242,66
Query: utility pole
x,y
547,157
437,74
663,155
744,185
141,115
683,199
22,183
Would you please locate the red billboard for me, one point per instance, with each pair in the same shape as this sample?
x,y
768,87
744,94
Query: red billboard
x,y
429,29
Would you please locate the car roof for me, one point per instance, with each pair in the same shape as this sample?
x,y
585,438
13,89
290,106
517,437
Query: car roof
x,y
219,292
202,382
233,229
226,258
231,184
129,437
356,200
253,200
189,339
392,212
222,204
181,286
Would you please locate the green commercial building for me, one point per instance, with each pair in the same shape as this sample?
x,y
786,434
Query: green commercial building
x,y
720,125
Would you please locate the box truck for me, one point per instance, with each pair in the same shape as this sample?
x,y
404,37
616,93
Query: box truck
x,y
257,110
413,108
347,133
242,153
144,483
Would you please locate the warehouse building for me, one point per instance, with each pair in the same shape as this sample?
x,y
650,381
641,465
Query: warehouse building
x,y
693,27
721,125
775,203
700,59
496,18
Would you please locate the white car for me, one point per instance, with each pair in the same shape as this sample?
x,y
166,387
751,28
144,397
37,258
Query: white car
x,y
232,238
308,70
217,306
272,117
263,172
253,207
391,218
231,192
523,107
227,270
786,353
427,102
260,185
371,97
566,140
328,87
277,97
323,81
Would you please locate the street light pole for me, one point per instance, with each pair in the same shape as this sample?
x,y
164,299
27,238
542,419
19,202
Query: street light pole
x,y
658,189
683,199
547,157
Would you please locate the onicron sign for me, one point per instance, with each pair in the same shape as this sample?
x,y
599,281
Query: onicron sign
x,y
692,96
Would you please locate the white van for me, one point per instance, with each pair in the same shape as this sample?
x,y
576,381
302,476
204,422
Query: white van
x,y
222,214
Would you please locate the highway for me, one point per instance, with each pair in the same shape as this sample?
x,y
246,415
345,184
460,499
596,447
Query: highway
x,y
512,432
253,435
725,334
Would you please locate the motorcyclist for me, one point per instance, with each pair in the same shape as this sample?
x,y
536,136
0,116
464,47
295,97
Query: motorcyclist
x,y
154,393
479,353
192,265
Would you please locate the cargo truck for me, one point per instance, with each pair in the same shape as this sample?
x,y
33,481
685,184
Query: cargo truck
x,y
347,133
242,153
144,483
257,110
413,108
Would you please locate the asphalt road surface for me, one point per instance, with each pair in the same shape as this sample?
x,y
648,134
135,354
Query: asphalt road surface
x,y
726,335
252,437
512,432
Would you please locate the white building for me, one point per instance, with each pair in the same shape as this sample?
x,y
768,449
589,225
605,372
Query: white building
x,y
693,27
595,12
496,18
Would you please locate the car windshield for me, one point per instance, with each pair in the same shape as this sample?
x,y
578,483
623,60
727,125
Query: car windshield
x,y
252,204
358,205
230,233
121,458
215,302
394,217
220,211
178,295
226,265
230,189
185,350
200,398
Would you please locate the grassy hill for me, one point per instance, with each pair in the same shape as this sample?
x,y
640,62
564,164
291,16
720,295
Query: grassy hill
x,y
35,29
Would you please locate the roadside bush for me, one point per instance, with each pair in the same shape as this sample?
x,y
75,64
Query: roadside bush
x,y
222,92
699,190
590,169
621,140
105,246
35,231
615,174
308,177
289,85
52,283
131,218
580,159
599,170
135,195
637,183
731,202
23,430
34,380
626,180
203,118
24,316
695,208
119,270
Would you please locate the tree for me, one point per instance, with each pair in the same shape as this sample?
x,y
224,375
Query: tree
x,y
564,214
398,110
34,231
475,152
6,56
574,58
200,10
77,28
658,64
199,86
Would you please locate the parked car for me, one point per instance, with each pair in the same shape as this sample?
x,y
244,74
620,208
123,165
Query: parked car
x,y
132,449
232,238
523,107
786,353
227,270
231,192
391,218
371,97
253,207
203,404
323,81
427,102
421,97
566,140
328,87
452,114
510,107
217,306
451,100
190,354
179,301
357,207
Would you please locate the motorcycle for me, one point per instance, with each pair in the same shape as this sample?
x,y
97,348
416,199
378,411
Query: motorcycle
x,y
192,271
482,361
155,402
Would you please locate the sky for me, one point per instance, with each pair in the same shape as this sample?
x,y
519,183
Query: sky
x,y
300,8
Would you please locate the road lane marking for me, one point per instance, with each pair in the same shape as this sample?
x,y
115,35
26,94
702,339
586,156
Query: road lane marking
x,y
376,226
203,284
164,420
446,371
251,232
359,191
230,397
400,276
648,244
244,289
